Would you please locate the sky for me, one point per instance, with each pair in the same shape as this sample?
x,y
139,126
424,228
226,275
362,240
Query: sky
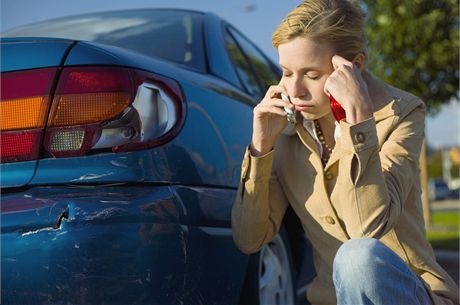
x,y
257,19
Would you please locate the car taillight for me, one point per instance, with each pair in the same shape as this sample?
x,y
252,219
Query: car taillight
x,y
24,106
111,108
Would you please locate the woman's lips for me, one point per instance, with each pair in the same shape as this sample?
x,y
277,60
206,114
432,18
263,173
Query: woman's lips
x,y
303,108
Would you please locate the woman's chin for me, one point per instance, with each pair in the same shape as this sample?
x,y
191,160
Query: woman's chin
x,y
308,116
314,116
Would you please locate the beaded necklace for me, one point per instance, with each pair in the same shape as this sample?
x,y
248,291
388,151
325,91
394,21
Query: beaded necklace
x,y
327,151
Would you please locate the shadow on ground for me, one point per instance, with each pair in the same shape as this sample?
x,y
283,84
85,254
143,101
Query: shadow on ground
x,y
449,260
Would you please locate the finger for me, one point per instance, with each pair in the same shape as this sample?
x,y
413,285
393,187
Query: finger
x,y
336,80
326,86
272,109
270,114
338,61
330,81
276,101
277,111
275,91
281,103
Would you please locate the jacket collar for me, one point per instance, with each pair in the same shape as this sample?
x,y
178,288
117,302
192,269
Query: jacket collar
x,y
390,109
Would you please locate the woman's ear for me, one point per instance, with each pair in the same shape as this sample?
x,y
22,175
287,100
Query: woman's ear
x,y
359,61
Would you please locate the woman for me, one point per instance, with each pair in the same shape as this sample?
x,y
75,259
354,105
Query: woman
x,y
354,184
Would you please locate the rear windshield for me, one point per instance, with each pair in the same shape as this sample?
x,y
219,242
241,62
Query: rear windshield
x,y
173,35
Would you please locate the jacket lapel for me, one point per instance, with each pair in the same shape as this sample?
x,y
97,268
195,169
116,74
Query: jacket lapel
x,y
306,139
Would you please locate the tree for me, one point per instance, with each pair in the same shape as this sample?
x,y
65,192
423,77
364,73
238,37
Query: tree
x,y
414,45
435,165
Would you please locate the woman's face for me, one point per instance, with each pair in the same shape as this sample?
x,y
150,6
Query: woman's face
x,y
306,65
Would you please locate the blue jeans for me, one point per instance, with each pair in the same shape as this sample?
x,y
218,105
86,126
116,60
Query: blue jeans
x,y
368,272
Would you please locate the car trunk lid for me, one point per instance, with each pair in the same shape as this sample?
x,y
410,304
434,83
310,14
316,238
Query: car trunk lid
x,y
29,72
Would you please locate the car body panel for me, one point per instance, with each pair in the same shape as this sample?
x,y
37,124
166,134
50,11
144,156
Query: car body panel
x,y
16,174
86,54
25,54
119,245
188,159
209,124
21,54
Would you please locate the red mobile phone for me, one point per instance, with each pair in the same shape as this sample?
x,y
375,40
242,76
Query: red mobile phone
x,y
337,110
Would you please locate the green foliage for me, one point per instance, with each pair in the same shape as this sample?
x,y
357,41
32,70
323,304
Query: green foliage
x,y
455,171
434,166
444,231
414,45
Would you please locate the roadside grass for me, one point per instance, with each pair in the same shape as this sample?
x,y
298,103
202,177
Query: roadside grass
x,y
444,230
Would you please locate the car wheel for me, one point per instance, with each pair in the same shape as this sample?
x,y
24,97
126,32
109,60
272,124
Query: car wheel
x,y
270,276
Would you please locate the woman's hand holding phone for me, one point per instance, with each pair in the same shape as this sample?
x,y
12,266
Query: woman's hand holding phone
x,y
290,112
269,120
337,109
347,87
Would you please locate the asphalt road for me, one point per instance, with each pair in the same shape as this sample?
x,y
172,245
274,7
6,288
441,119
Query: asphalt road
x,y
448,259
450,204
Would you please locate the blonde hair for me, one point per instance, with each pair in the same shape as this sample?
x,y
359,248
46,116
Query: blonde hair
x,y
336,22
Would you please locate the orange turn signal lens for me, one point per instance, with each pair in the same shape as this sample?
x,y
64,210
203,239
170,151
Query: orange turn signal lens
x,y
87,108
24,105
24,113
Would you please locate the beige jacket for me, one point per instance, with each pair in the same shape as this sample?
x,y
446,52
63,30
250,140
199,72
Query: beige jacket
x,y
369,188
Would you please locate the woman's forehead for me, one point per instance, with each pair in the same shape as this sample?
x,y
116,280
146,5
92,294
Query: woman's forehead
x,y
302,53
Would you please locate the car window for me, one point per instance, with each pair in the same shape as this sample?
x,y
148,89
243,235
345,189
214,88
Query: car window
x,y
173,35
262,66
243,70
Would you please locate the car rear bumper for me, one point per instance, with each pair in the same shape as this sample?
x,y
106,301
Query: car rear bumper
x,y
118,245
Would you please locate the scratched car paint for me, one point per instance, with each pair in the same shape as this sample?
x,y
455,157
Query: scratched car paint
x,y
143,219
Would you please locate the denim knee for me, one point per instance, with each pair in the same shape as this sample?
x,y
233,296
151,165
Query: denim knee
x,y
356,257
365,271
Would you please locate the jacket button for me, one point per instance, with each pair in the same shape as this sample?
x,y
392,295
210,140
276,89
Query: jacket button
x,y
330,220
359,137
329,176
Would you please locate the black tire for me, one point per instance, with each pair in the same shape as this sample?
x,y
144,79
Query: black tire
x,y
280,289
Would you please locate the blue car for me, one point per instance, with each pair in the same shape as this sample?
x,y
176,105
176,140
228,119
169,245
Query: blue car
x,y
122,135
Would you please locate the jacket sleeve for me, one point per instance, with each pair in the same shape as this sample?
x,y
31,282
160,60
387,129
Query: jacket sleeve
x,y
375,181
260,204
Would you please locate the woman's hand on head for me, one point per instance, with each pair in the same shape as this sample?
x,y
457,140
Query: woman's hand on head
x,y
269,120
348,87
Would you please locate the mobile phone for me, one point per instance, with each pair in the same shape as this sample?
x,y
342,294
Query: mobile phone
x,y
290,113
337,110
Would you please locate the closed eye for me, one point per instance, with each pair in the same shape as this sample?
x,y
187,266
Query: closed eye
x,y
312,77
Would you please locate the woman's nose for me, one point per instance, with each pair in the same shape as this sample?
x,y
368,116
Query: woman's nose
x,y
295,87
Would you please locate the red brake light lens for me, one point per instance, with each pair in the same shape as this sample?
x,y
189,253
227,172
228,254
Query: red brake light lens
x,y
20,146
94,108
24,106
88,95
111,108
